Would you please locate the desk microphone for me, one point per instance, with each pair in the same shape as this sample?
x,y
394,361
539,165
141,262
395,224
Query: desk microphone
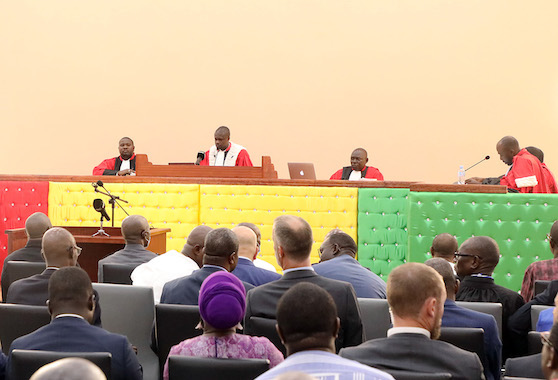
x,y
100,183
99,206
472,166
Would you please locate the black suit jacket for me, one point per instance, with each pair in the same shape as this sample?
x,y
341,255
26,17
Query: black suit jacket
x,y
31,252
131,254
186,290
34,291
262,302
417,353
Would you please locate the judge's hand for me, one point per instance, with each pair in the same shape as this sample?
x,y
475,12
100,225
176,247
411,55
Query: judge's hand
x,y
125,172
474,180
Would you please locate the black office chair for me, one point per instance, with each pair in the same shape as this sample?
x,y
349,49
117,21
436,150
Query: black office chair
x,y
189,367
466,338
408,375
117,273
540,286
258,326
524,367
375,316
16,270
19,320
173,324
534,344
26,362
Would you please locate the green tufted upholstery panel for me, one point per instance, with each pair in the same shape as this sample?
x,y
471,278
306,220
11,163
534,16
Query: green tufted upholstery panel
x,y
518,223
382,228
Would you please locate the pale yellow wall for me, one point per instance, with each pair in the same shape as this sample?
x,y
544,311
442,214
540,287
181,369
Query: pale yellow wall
x,y
424,85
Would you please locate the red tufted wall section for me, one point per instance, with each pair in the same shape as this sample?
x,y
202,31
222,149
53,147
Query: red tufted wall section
x,y
18,200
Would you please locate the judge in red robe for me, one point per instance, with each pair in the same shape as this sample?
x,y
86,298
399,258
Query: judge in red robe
x,y
125,164
358,168
551,182
225,152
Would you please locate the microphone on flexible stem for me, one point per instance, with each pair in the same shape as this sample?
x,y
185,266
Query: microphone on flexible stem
x,y
99,206
472,166
100,183
94,184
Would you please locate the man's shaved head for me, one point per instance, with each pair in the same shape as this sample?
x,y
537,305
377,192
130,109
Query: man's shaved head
x,y
507,148
58,248
536,152
247,242
135,229
254,228
444,246
69,369
446,271
195,243
482,256
36,225
221,248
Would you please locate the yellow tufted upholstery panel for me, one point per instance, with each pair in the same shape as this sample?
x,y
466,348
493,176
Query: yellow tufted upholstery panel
x,y
325,208
173,206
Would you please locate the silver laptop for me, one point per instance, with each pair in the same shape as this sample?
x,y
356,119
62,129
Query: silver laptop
x,y
301,170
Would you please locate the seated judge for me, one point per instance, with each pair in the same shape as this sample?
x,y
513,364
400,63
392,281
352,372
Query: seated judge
x,y
358,168
547,173
225,152
125,164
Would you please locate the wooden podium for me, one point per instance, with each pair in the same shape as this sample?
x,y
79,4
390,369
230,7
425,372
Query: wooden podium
x,y
94,247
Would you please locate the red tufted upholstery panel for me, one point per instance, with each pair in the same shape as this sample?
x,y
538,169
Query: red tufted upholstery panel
x,y
18,200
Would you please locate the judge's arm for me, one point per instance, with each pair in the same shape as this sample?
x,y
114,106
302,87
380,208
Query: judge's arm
x,y
105,168
337,175
205,161
474,180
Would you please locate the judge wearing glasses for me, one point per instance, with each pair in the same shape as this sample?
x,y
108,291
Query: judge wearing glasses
x,y
59,250
476,260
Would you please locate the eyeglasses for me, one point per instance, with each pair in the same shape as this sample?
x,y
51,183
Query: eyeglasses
x,y
320,251
458,255
545,339
549,237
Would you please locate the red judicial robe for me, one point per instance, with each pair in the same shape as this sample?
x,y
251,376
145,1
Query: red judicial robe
x,y
526,174
111,166
367,172
551,182
243,158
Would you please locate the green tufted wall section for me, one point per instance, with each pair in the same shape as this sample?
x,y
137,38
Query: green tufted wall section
x,y
382,228
518,222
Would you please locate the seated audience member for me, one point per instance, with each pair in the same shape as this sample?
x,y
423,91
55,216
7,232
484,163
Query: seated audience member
x,y
445,246
59,250
547,173
476,260
549,359
457,316
337,261
69,369
172,264
358,168
258,262
546,319
125,164
526,174
136,233
35,227
416,296
247,252
222,303
71,305
307,324
220,253
292,241
542,270
225,152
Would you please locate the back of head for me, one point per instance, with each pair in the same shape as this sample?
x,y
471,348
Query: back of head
x,y
222,300
536,152
69,291
69,369
509,142
446,271
294,234
485,248
554,233
220,244
254,228
343,240
409,286
57,248
247,242
135,228
307,317
225,131
549,358
337,244
444,245
36,225
197,235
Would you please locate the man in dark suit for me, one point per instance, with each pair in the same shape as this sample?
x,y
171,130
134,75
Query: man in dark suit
x,y
35,227
247,252
337,261
60,250
292,241
71,305
220,252
416,296
135,230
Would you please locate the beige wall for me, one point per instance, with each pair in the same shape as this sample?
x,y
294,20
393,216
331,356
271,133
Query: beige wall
x,y
423,85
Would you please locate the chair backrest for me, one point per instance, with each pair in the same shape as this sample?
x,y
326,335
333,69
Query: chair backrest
x,y
466,338
19,320
117,273
535,311
16,270
494,309
534,344
409,375
540,286
258,326
129,310
173,324
527,367
190,367
375,317
25,363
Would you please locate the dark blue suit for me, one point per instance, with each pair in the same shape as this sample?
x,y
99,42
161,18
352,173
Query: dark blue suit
x,y
2,365
72,334
366,283
246,271
457,316
185,290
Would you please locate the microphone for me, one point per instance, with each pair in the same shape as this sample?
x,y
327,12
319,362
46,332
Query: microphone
x,y
200,157
94,184
99,206
472,166
100,183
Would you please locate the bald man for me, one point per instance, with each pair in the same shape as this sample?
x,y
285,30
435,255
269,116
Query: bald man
x,y
172,264
136,233
260,263
35,227
225,152
125,164
60,250
358,168
69,369
247,251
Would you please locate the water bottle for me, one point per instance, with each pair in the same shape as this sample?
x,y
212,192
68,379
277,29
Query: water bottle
x,y
461,175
